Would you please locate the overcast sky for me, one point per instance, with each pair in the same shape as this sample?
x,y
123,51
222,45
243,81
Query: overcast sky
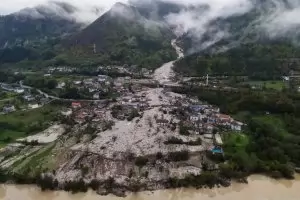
x,y
9,6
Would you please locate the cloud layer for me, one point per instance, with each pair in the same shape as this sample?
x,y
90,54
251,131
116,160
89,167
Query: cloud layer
x,y
197,18
16,5
86,10
270,18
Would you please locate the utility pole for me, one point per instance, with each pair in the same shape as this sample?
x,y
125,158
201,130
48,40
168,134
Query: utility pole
x,y
94,48
207,79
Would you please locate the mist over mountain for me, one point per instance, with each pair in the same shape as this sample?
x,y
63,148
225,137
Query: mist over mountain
x,y
147,25
124,34
209,22
203,22
225,24
61,9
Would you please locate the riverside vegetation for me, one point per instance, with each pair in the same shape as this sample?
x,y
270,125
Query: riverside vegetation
x,y
270,144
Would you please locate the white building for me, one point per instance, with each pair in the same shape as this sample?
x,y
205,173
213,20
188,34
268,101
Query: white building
x,y
67,112
102,78
9,108
88,81
33,106
19,90
96,96
92,90
28,97
218,139
236,126
61,85
77,82
194,118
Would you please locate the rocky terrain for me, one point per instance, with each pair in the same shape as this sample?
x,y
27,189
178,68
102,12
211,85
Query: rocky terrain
x,y
116,152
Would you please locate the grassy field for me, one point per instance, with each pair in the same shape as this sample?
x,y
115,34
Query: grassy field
x,y
275,85
239,140
21,123
6,96
36,162
66,78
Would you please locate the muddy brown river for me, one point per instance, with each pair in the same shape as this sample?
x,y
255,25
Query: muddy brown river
x,y
259,188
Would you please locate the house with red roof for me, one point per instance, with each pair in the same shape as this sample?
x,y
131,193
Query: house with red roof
x,y
76,105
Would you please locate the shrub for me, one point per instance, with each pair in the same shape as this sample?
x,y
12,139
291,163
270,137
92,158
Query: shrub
x,y
183,130
179,156
174,140
95,184
141,161
159,155
197,142
47,183
76,186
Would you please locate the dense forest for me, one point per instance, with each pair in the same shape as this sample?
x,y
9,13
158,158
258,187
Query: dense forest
x,y
258,61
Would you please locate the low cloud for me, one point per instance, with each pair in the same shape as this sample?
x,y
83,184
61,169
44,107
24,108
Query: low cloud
x,y
200,22
273,18
197,18
86,10
283,19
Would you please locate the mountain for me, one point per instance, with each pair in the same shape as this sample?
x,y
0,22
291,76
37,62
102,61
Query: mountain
x,y
260,41
37,24
139,33
212,28
156,9
125,35
33,34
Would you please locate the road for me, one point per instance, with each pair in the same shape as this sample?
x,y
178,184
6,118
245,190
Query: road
x,y
58,98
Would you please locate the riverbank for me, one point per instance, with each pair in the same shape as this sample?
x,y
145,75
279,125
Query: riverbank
x,y
259,187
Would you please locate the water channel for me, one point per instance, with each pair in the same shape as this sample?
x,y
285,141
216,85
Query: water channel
x,y
259,188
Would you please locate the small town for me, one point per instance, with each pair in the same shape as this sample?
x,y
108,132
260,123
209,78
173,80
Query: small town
x,y
134,131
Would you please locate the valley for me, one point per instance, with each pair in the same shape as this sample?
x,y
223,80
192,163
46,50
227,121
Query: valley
x,y
141,152
149,96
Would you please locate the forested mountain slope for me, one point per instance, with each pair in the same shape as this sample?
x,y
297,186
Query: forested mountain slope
x,y
124,36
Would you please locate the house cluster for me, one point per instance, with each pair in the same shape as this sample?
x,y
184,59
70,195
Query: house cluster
x,y
11,88
207,120
95,87
137,101
8,109
83,112
34,101
26,101
114,69
132,71
195,117
207,117
60,69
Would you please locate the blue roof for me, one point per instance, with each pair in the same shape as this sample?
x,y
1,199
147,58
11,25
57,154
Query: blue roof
x,y
217,150
197,107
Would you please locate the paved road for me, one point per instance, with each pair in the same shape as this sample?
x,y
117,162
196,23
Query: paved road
x,y
54,97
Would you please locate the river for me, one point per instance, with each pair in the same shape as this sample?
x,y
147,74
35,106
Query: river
x,y
259,188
